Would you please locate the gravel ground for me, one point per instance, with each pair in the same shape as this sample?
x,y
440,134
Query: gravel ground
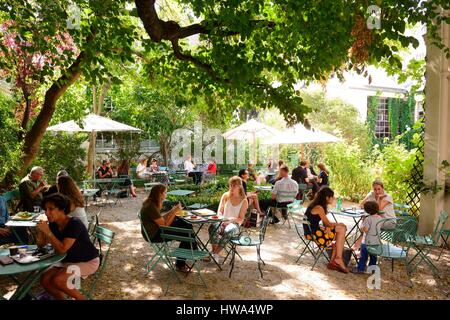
x,y
125,276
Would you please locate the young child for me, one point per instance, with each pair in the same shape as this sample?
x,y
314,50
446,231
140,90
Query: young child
x,y
371,230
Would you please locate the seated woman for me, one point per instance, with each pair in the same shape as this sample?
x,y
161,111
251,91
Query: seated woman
x,y
324,235
67,236
212,167
152,219
154,168
141,170
386,205
123,171
323,175
233,205
67,187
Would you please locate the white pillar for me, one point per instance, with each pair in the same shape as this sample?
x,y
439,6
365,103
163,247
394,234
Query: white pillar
x,y
437,134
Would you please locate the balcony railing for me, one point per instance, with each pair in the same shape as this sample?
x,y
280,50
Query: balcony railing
x,y
146,146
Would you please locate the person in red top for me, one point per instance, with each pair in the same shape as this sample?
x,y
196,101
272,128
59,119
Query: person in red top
x,y
212,167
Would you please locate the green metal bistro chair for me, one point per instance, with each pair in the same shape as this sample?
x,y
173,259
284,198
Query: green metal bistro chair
x,y
246,240
445,234
402,210
103,238
289,196
305,190
157,248
424,244
390,250
300,223
294,208
171,234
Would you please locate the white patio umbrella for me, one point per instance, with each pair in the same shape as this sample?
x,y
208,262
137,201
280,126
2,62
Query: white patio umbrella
x,y
93,123
300,135
251,130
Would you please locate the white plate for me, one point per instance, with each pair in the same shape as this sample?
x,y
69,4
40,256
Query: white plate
x,y
204,212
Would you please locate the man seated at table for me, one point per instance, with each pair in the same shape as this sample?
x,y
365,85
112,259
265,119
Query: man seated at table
x,y
31,189
285,184
105,171
300,175
6,234
252,197
189,168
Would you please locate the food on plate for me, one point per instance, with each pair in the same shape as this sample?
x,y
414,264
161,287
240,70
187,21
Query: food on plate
x,y
215,217
24,214
182,214
194,217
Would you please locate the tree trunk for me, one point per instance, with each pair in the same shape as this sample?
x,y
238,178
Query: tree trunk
x,y
97,106
35,134
26,115
163,148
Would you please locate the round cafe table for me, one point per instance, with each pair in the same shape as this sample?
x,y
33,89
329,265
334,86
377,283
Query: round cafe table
x,y
32,270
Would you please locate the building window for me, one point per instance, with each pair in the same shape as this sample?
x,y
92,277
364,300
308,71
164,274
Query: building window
x,y
382,125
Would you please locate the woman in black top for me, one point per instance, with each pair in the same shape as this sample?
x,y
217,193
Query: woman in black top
x,y
324,235
323,175
67,236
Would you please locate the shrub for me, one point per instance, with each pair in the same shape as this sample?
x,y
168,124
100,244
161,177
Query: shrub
x,y
395,163
62,151
350,175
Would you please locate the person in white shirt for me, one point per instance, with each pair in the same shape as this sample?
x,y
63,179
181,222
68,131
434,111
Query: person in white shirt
x,y
141,170
385,203
233,205
189,167
288,188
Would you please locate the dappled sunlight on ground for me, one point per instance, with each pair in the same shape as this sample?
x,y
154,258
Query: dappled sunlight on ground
x,y
125,275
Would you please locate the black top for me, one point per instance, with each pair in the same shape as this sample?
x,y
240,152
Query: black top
x,y
244,185
323,175
103,171
82,250
299,174
313,219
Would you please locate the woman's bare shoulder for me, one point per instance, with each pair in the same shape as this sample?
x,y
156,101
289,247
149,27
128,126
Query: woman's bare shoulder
x,y
317,210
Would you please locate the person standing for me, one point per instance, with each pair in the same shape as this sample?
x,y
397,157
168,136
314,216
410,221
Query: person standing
x,y
371,229
31,189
